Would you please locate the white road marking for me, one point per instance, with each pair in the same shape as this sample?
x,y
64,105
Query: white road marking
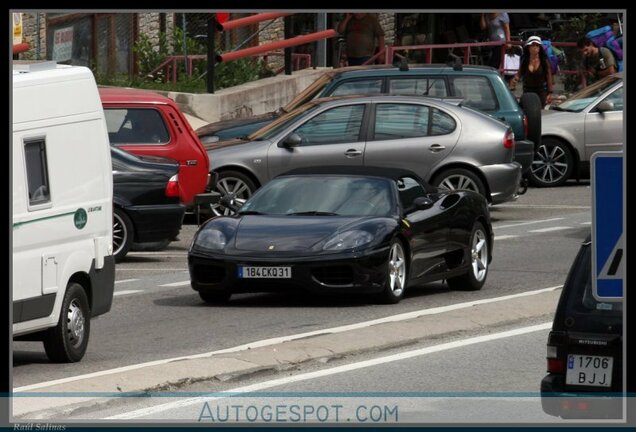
x,y
505,237
125,280
556,228
124,292
160,253
150,269
281,339
546,206
586,223
176,284
334,370
526,223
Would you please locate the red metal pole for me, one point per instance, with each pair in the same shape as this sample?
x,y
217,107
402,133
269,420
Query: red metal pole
x,y
22,47
229,25
298,40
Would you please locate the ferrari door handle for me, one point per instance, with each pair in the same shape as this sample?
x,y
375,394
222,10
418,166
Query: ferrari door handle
x,y
352,153
436,148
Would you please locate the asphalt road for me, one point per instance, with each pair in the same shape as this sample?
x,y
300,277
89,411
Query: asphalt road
x,y
156,315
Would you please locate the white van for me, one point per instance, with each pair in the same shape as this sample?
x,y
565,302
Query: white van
x,y
63,269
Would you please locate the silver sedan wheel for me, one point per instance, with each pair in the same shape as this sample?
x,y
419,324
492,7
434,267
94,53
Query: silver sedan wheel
x,y
458,181
235,190
479,255
397,269
550,164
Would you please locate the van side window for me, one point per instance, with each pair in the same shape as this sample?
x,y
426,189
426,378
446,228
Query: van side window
x,y
136,126
37,172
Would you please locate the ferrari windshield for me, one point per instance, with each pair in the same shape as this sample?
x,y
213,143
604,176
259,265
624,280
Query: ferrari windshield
x,y
322,195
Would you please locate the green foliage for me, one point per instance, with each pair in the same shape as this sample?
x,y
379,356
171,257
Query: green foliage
x,y
151,55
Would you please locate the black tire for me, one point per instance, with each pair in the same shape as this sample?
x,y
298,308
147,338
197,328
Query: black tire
x,y
476,276
531,105
215,297
232,185
397,274
459,178
553,164
123,234
67,342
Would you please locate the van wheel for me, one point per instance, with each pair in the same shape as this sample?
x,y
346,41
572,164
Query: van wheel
x,y
531,105
67,342
235,188
122,234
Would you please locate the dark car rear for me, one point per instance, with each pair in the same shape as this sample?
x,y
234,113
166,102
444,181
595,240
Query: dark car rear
x,y
585,350
146,205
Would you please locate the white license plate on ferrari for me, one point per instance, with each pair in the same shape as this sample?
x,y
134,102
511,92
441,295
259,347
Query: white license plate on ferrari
x,y
589,370
253,272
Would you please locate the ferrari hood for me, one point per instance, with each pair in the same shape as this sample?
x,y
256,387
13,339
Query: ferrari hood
x,y
286,233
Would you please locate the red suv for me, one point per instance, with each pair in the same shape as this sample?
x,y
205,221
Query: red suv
x,y
149,124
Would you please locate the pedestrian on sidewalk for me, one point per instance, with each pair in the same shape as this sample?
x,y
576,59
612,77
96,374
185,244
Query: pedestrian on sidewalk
x,y
597,62
535,71
498,26
361,30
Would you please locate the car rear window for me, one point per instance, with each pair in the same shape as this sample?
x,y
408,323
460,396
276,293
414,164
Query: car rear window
x,y
476,91
136,126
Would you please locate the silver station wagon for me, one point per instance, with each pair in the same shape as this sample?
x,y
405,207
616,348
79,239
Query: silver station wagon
x,y
450,146
590,120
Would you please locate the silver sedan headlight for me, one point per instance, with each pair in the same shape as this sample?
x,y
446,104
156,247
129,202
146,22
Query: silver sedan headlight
x,y
348,240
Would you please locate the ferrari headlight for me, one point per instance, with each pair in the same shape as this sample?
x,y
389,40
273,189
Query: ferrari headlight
x,y
211,240
348,240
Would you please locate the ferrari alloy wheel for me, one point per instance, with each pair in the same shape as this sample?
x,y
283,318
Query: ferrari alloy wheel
x,y
477,272
396,273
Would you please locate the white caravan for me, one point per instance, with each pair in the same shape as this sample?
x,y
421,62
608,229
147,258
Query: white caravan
x,y
63,269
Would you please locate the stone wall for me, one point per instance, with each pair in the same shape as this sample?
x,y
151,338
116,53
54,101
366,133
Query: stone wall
x,y
271,31
30,35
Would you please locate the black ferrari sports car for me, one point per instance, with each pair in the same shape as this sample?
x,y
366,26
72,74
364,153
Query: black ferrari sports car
x,y
344,229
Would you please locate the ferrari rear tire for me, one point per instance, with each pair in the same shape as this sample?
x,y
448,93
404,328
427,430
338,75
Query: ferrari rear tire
x,y
475,277
397,276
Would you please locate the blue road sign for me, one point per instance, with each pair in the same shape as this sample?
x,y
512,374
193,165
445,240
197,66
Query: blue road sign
x,y
608,239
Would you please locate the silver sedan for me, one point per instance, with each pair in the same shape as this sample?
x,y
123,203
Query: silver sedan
x,y
590,120
447,145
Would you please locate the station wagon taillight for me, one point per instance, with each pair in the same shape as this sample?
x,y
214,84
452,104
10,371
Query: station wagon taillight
x,y
172,188
509,139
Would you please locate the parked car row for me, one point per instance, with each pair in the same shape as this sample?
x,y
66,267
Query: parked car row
x,y
447,145
477,87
